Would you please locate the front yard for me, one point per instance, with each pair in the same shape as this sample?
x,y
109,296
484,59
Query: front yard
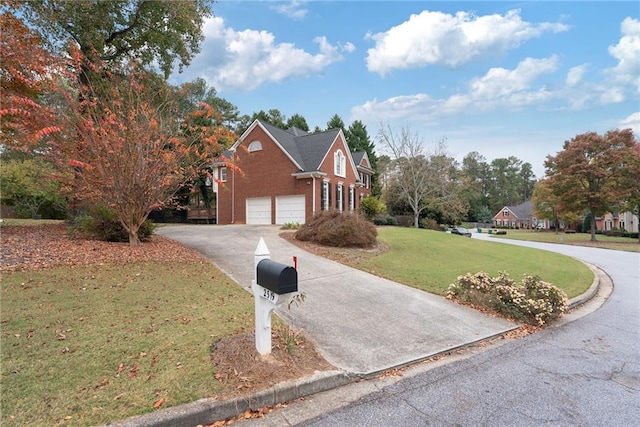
x,y
93,332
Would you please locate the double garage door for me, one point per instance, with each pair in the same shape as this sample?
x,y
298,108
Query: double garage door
x,y
288,209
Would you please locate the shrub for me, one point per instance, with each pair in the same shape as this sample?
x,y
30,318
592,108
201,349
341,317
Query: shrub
x,y
334,228
370,206
385,220
290,226
101,223
533,301
430,224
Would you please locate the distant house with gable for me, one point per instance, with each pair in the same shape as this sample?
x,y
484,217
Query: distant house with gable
x,y
519,216
284,176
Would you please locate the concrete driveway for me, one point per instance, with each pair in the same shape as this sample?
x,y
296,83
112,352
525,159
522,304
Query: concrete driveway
x,y
361,323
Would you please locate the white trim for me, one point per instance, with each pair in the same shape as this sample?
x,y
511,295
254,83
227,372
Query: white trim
x,y
255,123
254,146
339,163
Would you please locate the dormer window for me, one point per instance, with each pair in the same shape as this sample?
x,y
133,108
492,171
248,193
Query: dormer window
x,y
339,162
255,146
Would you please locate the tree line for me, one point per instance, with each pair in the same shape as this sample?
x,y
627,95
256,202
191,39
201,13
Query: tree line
x,y
86,108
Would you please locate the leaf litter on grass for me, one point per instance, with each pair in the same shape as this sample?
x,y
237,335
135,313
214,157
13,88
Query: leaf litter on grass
x,y
88,338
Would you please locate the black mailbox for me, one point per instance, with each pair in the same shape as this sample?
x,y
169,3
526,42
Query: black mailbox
x,y
278,278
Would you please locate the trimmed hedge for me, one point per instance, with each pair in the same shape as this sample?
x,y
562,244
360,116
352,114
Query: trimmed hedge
x,y
338,229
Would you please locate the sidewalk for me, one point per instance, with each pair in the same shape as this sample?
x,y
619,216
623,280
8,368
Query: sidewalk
x,y
362,324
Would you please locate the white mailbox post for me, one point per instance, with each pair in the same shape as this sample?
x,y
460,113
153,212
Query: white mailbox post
x,y
272,286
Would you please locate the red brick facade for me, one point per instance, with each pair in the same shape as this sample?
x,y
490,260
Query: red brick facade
x,y
271,172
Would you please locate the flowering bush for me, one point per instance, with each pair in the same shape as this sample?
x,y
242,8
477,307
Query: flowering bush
x,y
533,301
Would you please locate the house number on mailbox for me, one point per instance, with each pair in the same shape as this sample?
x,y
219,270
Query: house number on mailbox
x,y
268,295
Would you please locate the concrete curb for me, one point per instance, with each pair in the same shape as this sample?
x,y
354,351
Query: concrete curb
x,y
207,411
593,289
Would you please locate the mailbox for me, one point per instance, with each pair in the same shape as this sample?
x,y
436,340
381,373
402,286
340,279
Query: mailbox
x,y
278,278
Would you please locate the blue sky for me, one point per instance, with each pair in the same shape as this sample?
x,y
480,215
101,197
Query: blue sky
x,y
500,78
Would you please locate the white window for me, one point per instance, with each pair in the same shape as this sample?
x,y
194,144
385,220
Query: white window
x,y
339,197
325,196
223,174
255,146
340,163
505,213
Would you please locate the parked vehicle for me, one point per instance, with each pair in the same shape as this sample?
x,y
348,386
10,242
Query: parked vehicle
x,y
461,231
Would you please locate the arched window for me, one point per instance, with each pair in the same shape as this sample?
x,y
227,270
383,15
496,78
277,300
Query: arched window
x,y
255,146
339,162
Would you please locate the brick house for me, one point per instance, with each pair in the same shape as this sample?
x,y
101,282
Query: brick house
x,y
518,216
626,221
287,176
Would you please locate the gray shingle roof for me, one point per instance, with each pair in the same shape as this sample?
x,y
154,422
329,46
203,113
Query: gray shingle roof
x,y
307,149
523,210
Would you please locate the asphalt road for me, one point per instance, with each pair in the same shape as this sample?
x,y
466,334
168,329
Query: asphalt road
x,y
583,372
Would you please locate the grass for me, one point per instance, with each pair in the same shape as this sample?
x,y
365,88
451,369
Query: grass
x,y
7,222
581,239
431,260
93,344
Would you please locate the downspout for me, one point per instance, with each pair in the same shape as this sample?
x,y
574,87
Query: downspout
x,y
233,191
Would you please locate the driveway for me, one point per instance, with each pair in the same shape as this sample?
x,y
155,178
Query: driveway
x,y
361,323
583,370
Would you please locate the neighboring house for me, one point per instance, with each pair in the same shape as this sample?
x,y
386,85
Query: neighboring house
x,y
626,221
283,176
519,216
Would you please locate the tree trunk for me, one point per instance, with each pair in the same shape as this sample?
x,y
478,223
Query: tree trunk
x,y
416,219
593,226
133,238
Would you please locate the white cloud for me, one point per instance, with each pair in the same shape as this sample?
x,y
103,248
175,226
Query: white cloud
x,y
575,74
632,121
439,38
293,9
612,95
419,106
347,47
246,59
498,88
503,84
627,52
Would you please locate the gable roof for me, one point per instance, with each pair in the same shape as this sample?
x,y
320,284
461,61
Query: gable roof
x,y
359,157
306,150
523,210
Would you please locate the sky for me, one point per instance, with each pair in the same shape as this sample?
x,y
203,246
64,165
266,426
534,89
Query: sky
x,y
500,78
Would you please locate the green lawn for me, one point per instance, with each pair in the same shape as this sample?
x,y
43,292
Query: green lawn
x,y
92,344
431,260
86,345
581,239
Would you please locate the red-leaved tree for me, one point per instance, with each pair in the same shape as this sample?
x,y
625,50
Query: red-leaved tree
x,y
130,147
590,173
26,68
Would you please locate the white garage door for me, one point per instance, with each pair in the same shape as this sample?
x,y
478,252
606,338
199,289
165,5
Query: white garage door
x,y
259,210
290,209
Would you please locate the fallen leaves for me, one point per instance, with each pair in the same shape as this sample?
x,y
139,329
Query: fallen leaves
x,y
241,371
247,415
131,371
158,403
47,245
